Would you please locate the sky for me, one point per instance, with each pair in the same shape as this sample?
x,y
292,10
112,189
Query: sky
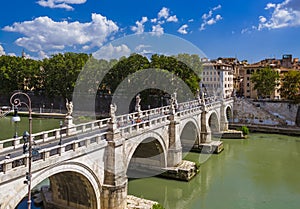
x,y
246,29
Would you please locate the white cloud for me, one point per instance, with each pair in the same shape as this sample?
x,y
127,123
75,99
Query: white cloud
x,y
208,18
44,34
157,30
163,13
2,52
141,46
154,20
42,55
217,7
172,19
139,28
262,19
62,4
183,29
12,54
285,14
112,52
270,5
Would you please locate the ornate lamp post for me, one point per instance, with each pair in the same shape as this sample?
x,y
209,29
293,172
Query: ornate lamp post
x,y
15,119
15,101
60,137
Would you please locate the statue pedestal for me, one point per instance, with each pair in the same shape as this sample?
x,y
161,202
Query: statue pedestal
x,y
69,124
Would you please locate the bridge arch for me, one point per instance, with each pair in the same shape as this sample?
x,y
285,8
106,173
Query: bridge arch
x,y
189,133
214,122
229,113
156,153
87,180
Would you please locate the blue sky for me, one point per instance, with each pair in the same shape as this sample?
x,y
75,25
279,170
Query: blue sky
x,y
246,29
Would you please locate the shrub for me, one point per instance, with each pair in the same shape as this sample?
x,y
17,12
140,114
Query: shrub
x,y
157,206
245,130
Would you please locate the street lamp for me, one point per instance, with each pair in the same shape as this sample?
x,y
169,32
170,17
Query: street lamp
x,y
60,138
15,102
15,119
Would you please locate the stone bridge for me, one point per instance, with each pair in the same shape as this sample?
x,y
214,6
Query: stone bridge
x,y
90,169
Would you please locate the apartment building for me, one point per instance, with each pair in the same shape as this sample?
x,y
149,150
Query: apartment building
x,y
282,66
217,78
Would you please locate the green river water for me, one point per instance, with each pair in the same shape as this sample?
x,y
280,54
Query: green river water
x,y
7,127
261,172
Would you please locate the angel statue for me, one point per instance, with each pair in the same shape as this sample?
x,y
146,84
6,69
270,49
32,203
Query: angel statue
x,y
112,113
69,106
137,103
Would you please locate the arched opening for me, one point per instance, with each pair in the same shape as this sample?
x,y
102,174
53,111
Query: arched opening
x,y
213,123
228,113
189,137
66,190
73,190
147,160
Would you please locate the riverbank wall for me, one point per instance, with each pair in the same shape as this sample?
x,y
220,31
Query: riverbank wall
x,y
291,131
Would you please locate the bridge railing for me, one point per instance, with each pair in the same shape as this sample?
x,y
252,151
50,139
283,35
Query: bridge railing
x,y
128,119
44,154
54,134
143,124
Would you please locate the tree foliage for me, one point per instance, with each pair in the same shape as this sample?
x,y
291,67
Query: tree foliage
x,y
290,86
265,81
62,71
58,75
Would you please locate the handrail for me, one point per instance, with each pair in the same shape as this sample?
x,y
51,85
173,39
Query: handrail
x,y
22,160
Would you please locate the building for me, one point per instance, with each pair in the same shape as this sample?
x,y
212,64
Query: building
x,y
217,78
282,66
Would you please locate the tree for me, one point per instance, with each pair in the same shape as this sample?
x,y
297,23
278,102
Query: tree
x,y
265,81
62,71
290,87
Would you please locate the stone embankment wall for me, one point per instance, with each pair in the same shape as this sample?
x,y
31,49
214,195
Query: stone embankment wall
x,y
264,113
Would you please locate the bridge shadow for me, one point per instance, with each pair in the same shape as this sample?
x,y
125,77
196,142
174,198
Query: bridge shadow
x,y
148,160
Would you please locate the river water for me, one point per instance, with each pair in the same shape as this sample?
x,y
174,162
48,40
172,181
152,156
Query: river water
x,y
7,127
261,172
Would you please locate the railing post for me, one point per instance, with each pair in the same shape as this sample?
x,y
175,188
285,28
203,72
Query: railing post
x,y
61,150
16,142
98,139
7,166
45,136
45,155
57,134
75,146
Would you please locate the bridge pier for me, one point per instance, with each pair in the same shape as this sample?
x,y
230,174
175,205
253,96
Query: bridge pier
x,y
205,132
223,118
114,189
175,148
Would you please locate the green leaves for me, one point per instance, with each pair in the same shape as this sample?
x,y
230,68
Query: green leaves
x,y
290,87
265,81
57,75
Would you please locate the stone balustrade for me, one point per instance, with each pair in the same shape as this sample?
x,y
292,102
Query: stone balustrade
x,y
47,136
43,154
140,125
